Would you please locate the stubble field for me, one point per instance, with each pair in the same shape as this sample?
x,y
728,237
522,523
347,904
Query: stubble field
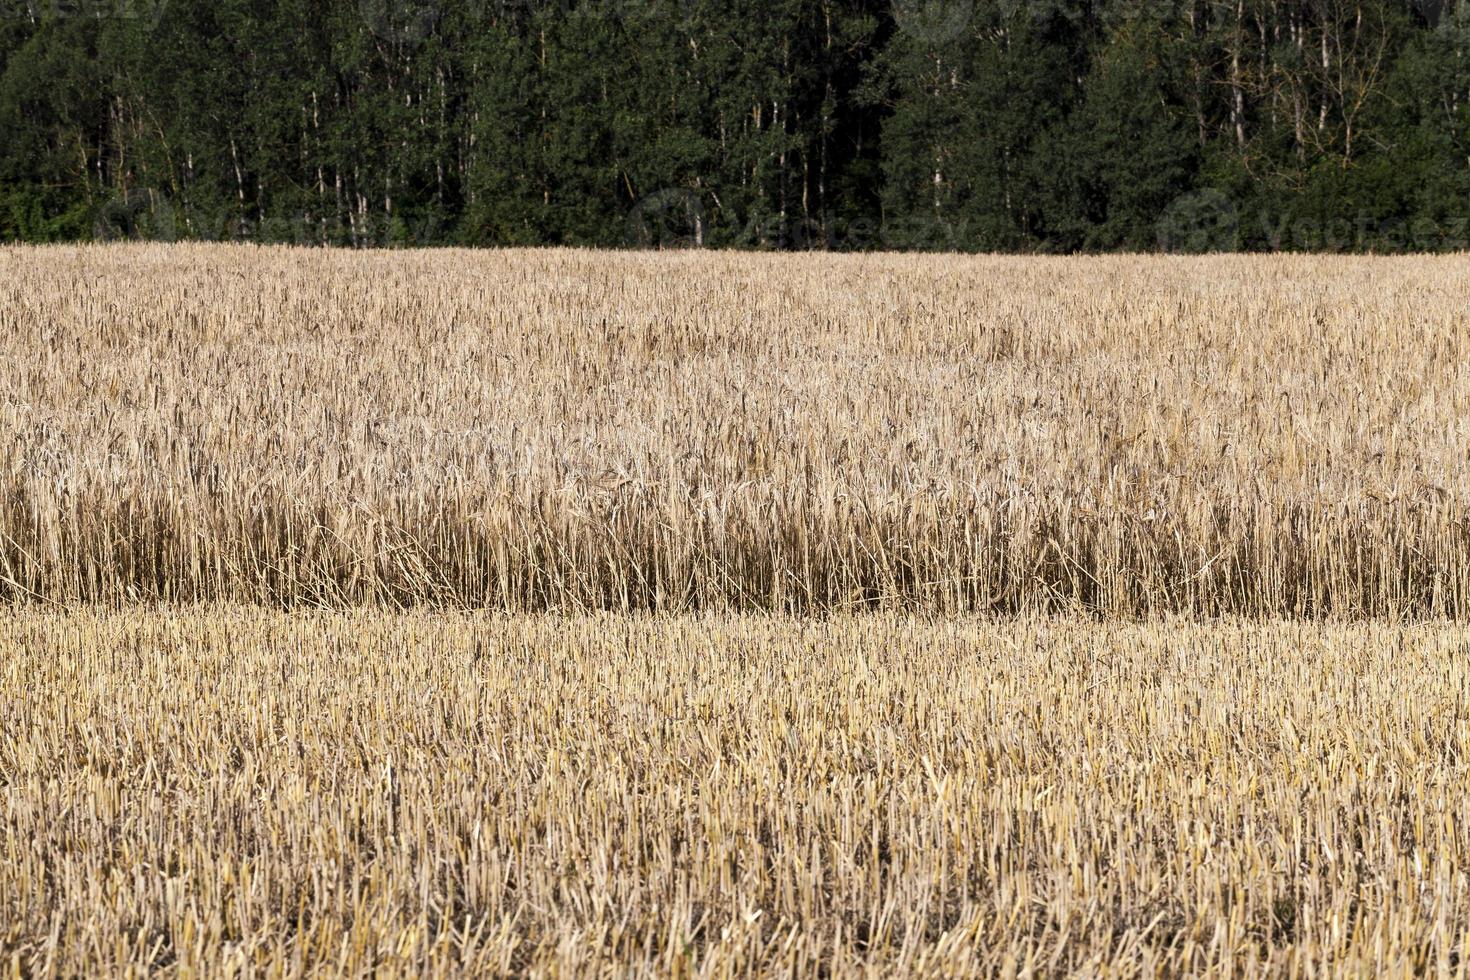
x,y
574,612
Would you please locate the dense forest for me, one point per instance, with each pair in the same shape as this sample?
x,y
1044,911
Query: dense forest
x,y
1004,125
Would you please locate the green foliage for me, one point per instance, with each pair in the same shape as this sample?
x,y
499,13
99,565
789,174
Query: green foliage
x,y
1025,125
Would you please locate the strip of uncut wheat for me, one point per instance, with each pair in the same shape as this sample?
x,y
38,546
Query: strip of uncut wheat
x,y
1282,435
232,790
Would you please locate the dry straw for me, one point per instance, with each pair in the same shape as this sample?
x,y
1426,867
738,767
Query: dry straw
x,y
236,792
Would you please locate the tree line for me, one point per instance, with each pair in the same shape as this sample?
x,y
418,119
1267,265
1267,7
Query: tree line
x,y
997,125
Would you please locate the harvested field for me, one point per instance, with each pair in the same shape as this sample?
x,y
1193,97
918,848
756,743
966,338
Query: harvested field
x,y
241,791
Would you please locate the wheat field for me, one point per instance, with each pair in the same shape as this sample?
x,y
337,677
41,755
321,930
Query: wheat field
x,y
572,613
564,430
